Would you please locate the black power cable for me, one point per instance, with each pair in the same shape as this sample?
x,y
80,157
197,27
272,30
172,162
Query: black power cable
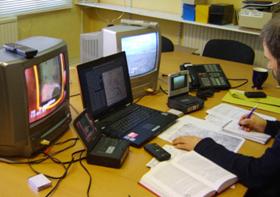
x,y
86,170
242,84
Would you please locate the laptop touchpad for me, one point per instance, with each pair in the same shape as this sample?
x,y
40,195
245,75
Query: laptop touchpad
x,y
148,126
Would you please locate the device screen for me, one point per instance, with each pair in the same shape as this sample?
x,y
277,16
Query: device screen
x,y
179,82
105,84
46,86
87,130
141,53
50,79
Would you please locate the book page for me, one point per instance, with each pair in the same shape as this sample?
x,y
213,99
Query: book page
x,y
167,180
218,121
201,128
174,152
234,128
205,170
167,134
227,117
232,143
233,112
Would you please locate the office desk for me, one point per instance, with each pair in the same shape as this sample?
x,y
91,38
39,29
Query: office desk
x,y
123,182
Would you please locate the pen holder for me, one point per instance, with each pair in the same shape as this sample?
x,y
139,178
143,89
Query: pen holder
x,y
259,77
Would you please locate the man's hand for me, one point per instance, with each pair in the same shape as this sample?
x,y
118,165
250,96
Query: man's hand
x,y
253,123
186,142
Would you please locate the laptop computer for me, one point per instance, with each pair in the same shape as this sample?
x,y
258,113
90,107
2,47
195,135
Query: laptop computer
x,y
106,94
101,150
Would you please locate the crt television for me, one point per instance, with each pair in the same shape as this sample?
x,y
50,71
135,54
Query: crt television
x,y
34,97
142,45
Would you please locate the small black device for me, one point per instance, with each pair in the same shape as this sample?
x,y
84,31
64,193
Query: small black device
x,y
221,13
255,94
101,150
158,152
178,98
206,76
185,103
21,50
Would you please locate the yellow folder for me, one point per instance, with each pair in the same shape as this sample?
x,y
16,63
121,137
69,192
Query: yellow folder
x,y
269,103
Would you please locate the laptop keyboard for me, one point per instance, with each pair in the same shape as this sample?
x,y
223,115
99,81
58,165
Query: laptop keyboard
x,y
137,116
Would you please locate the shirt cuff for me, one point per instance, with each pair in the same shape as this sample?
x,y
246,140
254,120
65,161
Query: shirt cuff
x,y
272,127
203,145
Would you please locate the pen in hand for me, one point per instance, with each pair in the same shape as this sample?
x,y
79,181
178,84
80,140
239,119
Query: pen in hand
x,y
251,112
249,115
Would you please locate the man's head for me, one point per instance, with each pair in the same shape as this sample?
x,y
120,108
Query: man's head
x,y
271,42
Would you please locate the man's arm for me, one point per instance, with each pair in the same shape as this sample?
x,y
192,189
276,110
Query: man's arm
x,y
272,128
252,172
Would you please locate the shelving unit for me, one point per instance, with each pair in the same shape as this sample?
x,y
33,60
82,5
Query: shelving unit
x,y
167,16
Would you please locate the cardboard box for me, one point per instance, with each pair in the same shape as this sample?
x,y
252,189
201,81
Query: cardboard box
x,y
253,18
194,2
202,13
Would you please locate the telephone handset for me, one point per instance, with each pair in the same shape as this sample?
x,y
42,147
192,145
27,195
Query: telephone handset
x,y
206,76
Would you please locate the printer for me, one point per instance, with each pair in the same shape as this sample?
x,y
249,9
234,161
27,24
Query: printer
x,y
252,16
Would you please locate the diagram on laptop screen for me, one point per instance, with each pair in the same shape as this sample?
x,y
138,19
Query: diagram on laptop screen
x,y
114,85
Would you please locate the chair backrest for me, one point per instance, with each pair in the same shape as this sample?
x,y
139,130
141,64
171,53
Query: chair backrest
x,y
166,44
229,50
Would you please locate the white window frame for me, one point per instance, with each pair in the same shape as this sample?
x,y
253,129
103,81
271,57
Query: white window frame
x,y
22,7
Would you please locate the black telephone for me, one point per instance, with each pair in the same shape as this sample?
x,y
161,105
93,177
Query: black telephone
x,y
206,76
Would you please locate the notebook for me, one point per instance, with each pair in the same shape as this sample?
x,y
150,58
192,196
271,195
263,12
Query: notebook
x,y
107,96
101,150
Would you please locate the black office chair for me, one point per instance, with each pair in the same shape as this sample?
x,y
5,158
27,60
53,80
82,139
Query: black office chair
x,y
229,50
166,44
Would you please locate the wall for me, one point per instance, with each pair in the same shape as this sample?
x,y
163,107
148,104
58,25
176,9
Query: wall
x,y
172,6
63,24
96,19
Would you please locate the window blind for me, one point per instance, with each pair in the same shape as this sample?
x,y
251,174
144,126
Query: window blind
x,y
21,7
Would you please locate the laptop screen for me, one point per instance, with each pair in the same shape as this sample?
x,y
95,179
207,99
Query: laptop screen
x,y
105,84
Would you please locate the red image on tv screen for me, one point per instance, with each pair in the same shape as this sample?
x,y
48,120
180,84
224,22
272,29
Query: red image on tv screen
x,y
46,87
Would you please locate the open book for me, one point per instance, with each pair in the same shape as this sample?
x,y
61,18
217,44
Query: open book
x,y
188,174
189,125
227,117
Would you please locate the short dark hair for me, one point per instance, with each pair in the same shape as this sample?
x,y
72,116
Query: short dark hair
x,y
270,35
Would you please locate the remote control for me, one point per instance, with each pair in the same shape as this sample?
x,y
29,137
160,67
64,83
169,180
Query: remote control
x,y
158,152
255,94
19,49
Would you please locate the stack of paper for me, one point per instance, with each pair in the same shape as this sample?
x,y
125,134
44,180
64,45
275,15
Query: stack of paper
x,y
227,116
259,5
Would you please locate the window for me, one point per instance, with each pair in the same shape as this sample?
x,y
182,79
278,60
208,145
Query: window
x,y
21,7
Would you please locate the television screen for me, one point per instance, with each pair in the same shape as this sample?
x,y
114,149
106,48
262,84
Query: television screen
x,y
141,53
142,47
45,83
49,80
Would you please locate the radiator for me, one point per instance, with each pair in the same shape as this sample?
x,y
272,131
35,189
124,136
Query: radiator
x,y
91,46
197,36
8,30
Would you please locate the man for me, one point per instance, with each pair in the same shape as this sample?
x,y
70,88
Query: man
x,y
261,175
